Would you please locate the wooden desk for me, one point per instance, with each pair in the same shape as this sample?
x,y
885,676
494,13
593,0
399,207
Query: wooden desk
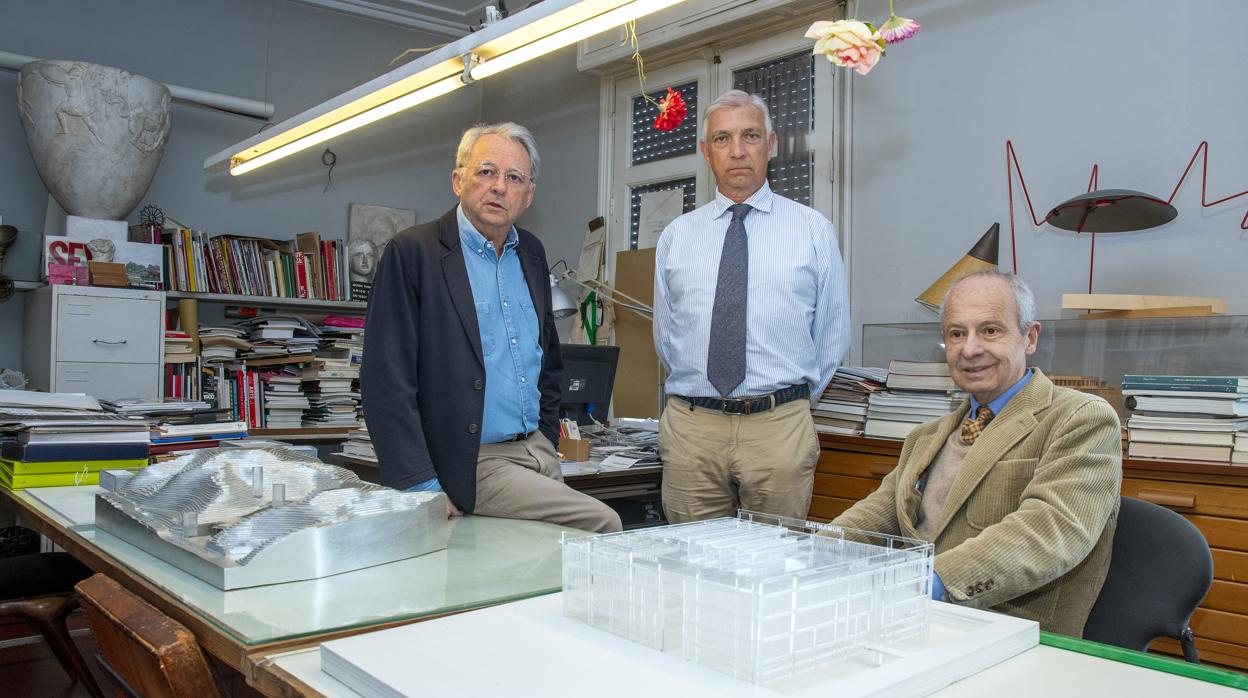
x,y
1212,496
488,561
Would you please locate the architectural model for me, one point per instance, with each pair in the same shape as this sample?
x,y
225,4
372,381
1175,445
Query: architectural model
x,y
245,517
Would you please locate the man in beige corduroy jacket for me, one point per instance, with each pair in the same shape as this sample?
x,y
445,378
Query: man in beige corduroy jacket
x,y
1019,488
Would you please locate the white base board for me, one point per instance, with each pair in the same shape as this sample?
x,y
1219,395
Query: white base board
x,y
529,648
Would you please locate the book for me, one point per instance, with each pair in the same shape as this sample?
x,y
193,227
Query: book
x,y
10,480
1189,405
18,467
918,368
1219,454
1193,438
1236,381
918,382
889,429
1184,388
44,453
1166,392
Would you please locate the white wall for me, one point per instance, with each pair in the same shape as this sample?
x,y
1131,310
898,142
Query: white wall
x,y
289,54
1133,85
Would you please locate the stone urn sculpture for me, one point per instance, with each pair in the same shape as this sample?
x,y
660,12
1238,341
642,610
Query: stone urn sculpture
x,y
96,133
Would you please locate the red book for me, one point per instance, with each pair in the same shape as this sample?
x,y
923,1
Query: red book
x,y
331,274
301,274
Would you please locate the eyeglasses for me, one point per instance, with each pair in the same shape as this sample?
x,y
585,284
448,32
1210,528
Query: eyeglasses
x,y
489,175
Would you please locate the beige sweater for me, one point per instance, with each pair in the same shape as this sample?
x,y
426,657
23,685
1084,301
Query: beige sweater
x,y
1029,520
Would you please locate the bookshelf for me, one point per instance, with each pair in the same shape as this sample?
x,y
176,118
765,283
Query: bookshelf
x,y
298,304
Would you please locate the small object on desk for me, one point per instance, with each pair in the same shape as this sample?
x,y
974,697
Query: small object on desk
x,y
617,460
574,449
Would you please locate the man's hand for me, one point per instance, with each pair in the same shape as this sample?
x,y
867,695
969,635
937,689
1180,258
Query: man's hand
x,y
452,511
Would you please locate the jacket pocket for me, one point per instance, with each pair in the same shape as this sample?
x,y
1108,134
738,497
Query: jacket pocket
x,y
999,493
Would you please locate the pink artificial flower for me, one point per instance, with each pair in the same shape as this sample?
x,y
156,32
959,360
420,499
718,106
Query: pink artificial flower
x,y
848,43
898,29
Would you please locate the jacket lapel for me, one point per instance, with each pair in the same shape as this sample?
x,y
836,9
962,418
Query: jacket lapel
x,y
1015,422
455,271
921,456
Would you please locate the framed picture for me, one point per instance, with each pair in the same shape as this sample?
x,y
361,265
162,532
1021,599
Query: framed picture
x,y
369,230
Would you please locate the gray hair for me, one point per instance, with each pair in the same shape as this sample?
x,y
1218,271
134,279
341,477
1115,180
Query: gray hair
x,y
735,99
1024,300
507,129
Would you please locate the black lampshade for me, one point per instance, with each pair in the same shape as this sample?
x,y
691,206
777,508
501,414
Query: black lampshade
x,y
1111,211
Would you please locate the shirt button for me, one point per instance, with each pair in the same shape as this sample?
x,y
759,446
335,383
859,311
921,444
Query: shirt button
x,y
473,428
505,304
513,342
478,384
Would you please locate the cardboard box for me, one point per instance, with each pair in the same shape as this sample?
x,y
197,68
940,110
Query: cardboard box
x,y
574,449
108,274
638,377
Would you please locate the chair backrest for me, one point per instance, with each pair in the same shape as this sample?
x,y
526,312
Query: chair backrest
x,y
155,655
1160,570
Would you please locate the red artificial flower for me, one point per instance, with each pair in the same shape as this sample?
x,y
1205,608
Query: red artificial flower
x,y
672,111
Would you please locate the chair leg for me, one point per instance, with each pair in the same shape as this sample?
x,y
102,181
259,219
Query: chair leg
x,y
48,616
1187,641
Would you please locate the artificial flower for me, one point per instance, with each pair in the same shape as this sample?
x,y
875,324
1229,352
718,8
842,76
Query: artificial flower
x,y
848,43
672,111
898,29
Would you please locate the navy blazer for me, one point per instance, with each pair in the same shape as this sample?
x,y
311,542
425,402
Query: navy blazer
x,y
423,377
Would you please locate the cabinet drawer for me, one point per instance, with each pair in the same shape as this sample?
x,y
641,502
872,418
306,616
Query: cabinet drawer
x,y
1185,497
1210,651
108,381
1228,534
1221,626
1227,596
1230,565
855,464
842,487
100,329
828,508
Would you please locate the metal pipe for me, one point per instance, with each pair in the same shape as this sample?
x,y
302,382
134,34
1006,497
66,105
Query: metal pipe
x,y
212,100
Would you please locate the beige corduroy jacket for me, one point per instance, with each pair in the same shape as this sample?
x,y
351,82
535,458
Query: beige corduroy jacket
x,y
1029,522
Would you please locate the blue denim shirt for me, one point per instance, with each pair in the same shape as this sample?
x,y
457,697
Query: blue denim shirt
x,y
510,334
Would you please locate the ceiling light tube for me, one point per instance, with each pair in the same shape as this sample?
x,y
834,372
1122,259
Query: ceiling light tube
x,y
571,35
381,111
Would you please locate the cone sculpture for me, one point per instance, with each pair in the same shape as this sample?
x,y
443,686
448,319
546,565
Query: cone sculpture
x,y
980,257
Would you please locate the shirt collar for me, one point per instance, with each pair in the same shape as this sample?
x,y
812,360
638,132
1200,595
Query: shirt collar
x,y
475,241
760,200
998,403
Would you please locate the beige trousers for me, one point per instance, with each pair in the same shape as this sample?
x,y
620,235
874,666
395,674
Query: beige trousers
x,y
715,463
522,480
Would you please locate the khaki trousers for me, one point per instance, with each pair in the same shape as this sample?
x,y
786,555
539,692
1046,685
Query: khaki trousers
x,y
715,463
522,480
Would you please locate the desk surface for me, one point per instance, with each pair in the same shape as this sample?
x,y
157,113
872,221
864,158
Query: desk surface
x,y
487,561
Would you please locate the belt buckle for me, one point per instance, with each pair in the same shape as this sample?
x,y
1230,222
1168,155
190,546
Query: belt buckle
x,y
723,405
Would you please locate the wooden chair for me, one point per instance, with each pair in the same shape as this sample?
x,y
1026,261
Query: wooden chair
x,y
38,589
146,652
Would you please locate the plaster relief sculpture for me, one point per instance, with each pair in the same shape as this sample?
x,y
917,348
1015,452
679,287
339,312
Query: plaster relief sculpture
x,y
96,133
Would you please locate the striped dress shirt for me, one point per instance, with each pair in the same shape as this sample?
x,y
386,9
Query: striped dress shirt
x,y
798,305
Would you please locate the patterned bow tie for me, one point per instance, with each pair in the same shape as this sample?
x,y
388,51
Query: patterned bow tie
x,y
972,428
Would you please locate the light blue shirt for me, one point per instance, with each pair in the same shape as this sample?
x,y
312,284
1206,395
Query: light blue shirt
x,y
509,334
998,403
798,307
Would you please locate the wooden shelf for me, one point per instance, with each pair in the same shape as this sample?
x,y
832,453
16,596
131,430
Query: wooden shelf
x,y
272,301
27,285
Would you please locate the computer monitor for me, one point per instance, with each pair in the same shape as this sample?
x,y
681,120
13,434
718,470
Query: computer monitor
x,y
588,376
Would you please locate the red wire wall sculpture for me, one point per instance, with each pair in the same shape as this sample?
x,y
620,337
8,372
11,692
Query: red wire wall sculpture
x,y
1012,166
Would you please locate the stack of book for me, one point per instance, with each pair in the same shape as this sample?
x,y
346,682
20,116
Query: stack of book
x,y
64,439
918,392
221,343
1239,456
842,408
167,438
179,348
332,389
284,402
180,424
1185,417
359,444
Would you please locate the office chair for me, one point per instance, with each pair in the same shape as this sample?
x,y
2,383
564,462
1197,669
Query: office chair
x,y
37,588
146,652
1159,572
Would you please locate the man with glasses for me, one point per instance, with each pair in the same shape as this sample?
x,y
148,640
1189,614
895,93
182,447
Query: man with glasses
x,y
751,317
461,357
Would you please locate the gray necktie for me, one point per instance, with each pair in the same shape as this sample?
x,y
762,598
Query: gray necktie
x,y
725,359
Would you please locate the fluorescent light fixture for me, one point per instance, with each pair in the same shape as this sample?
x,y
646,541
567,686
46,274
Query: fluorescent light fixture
x,y
533,32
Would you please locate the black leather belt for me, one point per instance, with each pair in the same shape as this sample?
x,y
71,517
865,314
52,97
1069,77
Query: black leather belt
x,y
751,404
517,437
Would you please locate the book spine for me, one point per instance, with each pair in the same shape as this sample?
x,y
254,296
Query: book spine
x,y
1180,387
1181,380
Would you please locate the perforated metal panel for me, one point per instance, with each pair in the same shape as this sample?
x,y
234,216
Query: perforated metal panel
x,y
788,86
651,144
689,203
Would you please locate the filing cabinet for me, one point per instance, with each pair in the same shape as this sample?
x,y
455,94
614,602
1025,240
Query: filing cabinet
x,y
106,342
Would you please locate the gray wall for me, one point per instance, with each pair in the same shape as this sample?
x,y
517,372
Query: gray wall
x,y
289,54
1134,85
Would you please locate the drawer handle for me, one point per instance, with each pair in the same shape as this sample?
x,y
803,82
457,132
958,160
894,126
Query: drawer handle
x,y
1176,500
880,468
105,341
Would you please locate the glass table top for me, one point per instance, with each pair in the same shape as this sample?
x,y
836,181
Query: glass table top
x,y
487,561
